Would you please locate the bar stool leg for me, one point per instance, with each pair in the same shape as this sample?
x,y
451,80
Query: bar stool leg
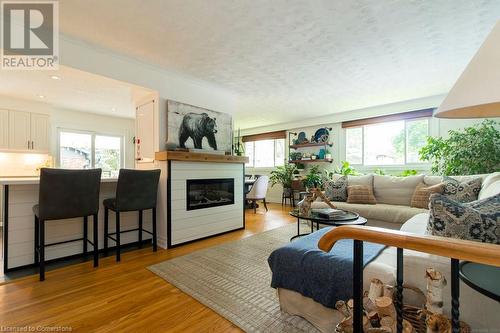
x,y
106,218
155,241
140,228
37,239
117,235
42,250
85,235
96,242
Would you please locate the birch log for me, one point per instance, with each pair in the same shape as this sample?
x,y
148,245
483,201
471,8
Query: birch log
x,y
435,285
385,307
376,289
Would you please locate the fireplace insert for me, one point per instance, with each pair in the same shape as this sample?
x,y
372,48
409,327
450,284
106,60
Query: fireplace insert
x,y
206,193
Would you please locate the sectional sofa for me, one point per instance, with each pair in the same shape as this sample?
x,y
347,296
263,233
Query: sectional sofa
x,y
393,211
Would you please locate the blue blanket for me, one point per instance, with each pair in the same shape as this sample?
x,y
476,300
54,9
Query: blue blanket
x,y
325,277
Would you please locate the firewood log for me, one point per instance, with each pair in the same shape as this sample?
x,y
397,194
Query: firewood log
x,y
342,307
385,307
368,305
438,323
350,304
388,291
346,325
382,329
376,289
387,321
435,285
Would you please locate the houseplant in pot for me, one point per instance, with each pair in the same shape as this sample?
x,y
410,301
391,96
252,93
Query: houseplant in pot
x,y
283,175
313,178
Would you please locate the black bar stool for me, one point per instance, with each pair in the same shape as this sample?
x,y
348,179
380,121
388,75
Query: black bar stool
x,y
66,194
136,191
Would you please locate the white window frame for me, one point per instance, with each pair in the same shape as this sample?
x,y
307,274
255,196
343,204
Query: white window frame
x,y
419,165
252,166
93,136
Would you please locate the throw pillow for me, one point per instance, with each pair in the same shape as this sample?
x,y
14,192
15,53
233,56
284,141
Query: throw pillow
x,y
478,220
360,194
420,198
462,192
336,190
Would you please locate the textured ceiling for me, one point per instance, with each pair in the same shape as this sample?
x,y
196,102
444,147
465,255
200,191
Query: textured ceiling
x,y
287,58
75,90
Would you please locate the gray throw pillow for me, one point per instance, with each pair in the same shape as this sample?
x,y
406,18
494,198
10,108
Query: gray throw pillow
x,y
477,221
336,190
462,192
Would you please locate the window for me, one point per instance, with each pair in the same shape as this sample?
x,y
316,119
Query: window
x,y
389,143
86,150
265,153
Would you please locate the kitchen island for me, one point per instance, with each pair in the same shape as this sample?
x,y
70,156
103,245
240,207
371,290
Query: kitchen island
x,y
20,194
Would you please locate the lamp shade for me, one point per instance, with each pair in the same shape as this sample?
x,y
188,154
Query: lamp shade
x,y
476,94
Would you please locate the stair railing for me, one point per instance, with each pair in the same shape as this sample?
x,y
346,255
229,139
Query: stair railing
x,y
454,249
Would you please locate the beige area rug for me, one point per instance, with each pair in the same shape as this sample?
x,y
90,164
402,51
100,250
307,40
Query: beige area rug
x,y
234,280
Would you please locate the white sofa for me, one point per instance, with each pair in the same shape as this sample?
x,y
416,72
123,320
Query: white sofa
x,y
477,310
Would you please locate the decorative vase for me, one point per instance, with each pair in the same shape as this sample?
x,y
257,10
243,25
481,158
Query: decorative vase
x,y
313,157
328,157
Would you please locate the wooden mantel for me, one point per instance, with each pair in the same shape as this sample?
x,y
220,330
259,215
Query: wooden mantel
x,y
198,157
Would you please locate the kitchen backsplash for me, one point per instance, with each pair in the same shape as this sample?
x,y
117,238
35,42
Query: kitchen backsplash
x,y
19,164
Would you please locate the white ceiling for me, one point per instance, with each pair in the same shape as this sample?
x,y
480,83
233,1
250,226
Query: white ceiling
x,y
288,58
75,90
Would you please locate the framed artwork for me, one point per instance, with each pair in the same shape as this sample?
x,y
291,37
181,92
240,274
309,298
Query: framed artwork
x,y
194,127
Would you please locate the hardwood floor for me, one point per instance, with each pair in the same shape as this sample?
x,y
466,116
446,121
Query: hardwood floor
x,y
125,296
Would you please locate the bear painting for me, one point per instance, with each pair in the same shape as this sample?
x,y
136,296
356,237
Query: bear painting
x,y
198,126
194,127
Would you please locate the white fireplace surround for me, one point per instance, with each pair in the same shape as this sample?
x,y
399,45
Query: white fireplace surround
x,y
185,226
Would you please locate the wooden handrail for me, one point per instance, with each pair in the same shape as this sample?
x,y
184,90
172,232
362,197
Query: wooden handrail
x,y
482,253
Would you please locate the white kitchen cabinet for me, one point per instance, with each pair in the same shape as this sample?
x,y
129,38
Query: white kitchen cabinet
x,y
4,129
40,132
22,131
19,130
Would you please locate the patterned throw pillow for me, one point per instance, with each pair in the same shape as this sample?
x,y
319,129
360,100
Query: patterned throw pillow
x,y
478,220
360,194
462,192
336,190
420,198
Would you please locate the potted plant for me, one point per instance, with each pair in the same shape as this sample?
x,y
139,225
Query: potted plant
x,y
283,175
471,151
313,178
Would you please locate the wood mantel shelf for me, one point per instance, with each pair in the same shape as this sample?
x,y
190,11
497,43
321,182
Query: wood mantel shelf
x,y
198,157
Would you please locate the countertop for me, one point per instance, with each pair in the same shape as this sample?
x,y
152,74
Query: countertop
x,y
36,180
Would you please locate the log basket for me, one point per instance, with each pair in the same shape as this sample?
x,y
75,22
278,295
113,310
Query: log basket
x,y
416,315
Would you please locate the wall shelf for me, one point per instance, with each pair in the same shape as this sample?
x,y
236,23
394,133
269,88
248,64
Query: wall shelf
x,y
311,161
313,144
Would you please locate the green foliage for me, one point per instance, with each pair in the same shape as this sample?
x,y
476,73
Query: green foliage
x,y
346,169
379,172
408,172
283,175
474,150
416,131
313,178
